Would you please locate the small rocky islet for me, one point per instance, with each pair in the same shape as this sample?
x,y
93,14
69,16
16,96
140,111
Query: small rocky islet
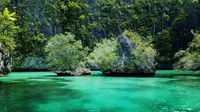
x,y
125,48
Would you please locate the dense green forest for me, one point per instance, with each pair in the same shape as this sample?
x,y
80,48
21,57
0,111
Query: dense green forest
x,y
30,28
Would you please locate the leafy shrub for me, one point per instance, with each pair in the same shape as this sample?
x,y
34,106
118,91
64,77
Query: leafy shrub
x,y
8,31
31,62
163,44
105,55
65,53
143,53
189,58
34,63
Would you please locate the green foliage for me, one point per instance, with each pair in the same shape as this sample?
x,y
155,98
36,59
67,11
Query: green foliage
x,y
74,17
29,43
105,55
134,37
64,52
151,18
30,63
168,22
8,31
163,44
143,53
4,3
34,63
189,58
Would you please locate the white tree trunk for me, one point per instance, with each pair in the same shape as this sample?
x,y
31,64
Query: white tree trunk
x,y
5,62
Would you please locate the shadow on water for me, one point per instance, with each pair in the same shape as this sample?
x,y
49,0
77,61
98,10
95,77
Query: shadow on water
x,y
60,79
193,82
48,93
25,96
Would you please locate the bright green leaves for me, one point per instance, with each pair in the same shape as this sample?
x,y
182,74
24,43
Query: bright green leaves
x,y
65,53
82,17
73,5
189,58
195,44
133,37
105,55
8,15
7,44
94,20
8,30
143,53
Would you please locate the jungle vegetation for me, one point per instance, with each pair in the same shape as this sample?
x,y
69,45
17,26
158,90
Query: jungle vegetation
x,y
38,31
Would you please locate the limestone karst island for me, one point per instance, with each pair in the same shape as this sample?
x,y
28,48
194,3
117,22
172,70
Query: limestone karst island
x,y
99,55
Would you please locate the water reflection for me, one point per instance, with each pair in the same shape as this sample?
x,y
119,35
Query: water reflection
x,y
26,95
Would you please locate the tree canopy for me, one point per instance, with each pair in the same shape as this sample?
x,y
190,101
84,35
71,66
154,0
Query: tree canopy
x,y
64,52
8,31
167,22
189,58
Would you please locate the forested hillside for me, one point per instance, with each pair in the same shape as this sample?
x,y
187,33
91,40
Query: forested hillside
x,y
169,23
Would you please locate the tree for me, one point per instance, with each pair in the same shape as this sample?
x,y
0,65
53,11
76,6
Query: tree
x,y
111,55
8,31
189,58
163,44
93,20
142,54
74,17
105,55
64,52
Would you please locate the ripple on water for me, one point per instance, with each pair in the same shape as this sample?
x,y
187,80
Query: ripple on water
x,y
98,94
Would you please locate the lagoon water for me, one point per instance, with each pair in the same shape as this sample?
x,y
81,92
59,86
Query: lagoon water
x,y
44,92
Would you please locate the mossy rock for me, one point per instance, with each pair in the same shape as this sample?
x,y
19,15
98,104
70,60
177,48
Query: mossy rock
x,y
77,72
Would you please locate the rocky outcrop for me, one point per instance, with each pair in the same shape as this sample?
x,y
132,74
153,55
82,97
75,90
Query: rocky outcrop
x,y
128,74
125,65
125,47
77,72
5,62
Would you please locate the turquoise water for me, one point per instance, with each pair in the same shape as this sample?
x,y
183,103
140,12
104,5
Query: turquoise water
x,y
96,73
177,73
44,92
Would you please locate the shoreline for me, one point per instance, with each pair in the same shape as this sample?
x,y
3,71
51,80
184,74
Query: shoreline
x,y
159,73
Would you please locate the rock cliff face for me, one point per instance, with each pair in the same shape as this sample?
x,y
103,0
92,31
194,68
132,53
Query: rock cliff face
x,y
125,48
5,63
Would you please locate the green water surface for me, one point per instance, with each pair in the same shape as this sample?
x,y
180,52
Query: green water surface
x,y
44,92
